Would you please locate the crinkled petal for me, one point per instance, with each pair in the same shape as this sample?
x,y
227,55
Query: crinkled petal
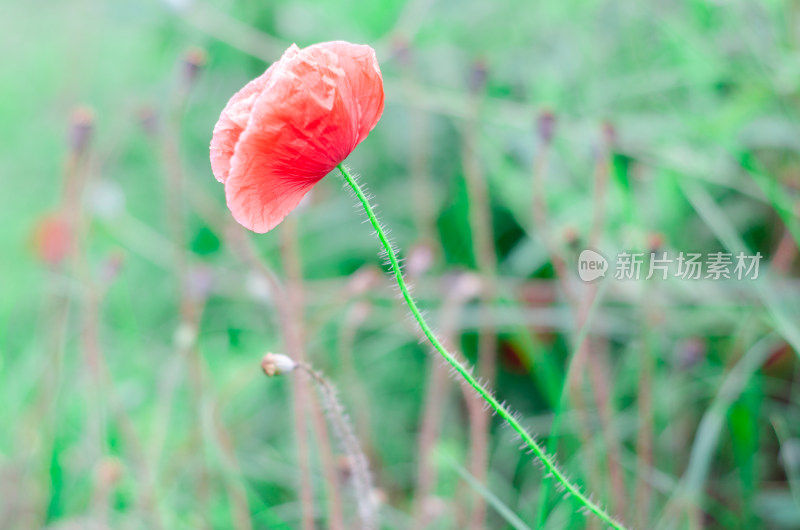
x,y
363,75
234,117
317,105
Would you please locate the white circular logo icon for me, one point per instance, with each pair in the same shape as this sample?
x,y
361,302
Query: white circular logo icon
x,y
591,265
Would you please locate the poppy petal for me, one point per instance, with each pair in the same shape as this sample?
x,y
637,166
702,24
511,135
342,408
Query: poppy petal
x,y
234,117
315,106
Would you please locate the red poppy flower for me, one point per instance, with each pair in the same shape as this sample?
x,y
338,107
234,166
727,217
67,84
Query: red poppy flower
x,y
288,128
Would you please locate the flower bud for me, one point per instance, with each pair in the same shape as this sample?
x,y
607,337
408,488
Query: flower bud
x,y
690,352
401,49
571,236
80,132
277,364
609,134
148,119
478,76
52,238
193,61
112,266
546,126
655,241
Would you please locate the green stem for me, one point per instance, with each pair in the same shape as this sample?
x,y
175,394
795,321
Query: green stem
x,y
547,461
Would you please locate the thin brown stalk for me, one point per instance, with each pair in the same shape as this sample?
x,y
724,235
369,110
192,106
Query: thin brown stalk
x,y
236,492
580,307
191,302
586,359
644,439
480,220
293,337
433,411
189,313
786,251
435,395
75,170
289,316
77,177
540,209
421,190
104,386
353,320
574,380
438,385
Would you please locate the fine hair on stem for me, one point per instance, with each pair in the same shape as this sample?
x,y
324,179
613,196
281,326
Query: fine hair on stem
x,y
547,461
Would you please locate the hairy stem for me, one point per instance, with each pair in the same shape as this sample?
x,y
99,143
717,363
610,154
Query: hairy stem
x,y
547,461
356,460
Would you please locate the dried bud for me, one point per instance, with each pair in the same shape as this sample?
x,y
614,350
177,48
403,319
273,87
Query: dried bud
x,y
277,364
655,241
546,126
609,134
148,119
478,76
402,51
571,236
690,352
52,239
111,266
193,61
80,130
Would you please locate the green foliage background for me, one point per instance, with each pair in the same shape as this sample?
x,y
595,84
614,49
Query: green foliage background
x,y
703,100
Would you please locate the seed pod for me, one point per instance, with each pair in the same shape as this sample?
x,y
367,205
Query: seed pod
x,y
193,61
655,241
148,119
546,126
478,76
80,132
277,364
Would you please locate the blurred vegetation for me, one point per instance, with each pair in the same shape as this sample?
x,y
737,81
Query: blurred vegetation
x,y
134,319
